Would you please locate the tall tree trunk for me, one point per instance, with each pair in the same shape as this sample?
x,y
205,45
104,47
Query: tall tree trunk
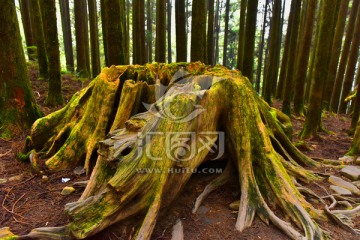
x,y
94,38
335,96
169,7
250,31
242,24
104,30
198,31
286,108
139,54
40,40
261,49
285,56
274,51
127,31
160,48
135,31
18,108
114,10
356,112
210,34
303,59
181,35
80,28
321,68
149,36
54,96
226,30
87,41
217,31
28,24
66,28
351,65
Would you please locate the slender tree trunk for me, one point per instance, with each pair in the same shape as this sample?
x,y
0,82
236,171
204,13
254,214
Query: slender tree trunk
x,y
141,16
351,65
135,32
149,36
40,39
321,68
335,96
249,45
242,24
104,30
160,48
261,48
210,34
217,31
285,56
198,31
66,28
274,51
29,31
18,108
127,32
356,112
114,10
181,36
80,28
303,59
54,96
94,38
286,108
169,7
86,33
225,48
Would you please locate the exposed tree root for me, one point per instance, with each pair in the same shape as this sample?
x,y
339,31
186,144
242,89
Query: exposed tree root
x,y
139,171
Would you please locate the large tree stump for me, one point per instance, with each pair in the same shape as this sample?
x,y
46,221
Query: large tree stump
x,y
151,150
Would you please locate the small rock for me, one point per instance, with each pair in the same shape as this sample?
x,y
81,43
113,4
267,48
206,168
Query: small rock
x,y
178,231
3,180
67,191
44,178
65,180
340,190
344,184
79,170
351,172
346,159
16,178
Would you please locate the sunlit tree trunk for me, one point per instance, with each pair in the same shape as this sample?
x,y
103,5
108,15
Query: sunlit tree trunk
x,y
321,68
225,48
198,31
67,36
18,108
94,38
169,7
104,29
303,58
217,31
40,40
335,96
127,31
181,36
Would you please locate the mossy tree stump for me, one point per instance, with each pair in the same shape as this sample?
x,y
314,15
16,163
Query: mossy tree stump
x,y
198,100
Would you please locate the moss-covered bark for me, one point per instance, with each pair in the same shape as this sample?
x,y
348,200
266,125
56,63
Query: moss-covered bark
x,y
355,146
18,108
136,174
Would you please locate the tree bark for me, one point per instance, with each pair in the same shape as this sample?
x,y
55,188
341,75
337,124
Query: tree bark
x,y
54,96
181,35
242,24
274,51
115,33
227,10
40,40
335,97
160,48
303,59
217,31
94,38
169,53
336,50
356,112
127,32
120,191
18,108
80,31
66,28
29,31
104,30
321,68
210,34
198,31
149,36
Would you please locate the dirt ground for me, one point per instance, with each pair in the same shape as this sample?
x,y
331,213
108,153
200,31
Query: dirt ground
x,y
29,201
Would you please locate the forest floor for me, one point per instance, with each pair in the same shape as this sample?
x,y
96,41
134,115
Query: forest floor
x,y
29,202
